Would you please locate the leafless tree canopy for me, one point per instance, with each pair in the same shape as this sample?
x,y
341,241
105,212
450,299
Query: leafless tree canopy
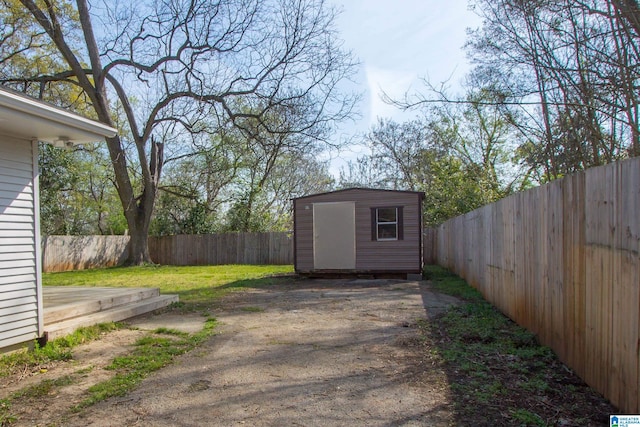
x,y
166,70
566,73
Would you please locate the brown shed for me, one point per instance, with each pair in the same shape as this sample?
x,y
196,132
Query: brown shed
x,y
358,230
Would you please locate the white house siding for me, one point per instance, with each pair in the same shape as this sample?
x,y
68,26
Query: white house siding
x,y
19,307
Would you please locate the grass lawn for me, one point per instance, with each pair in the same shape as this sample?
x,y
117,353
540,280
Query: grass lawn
x,y
194,284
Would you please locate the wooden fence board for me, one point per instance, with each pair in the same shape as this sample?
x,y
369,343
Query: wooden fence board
x,y
563,261
509,259
555,296
519,259
219,249
531,236
573,274
61,253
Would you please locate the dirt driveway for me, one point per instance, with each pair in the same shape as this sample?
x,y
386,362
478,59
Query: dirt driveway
x,y
325,353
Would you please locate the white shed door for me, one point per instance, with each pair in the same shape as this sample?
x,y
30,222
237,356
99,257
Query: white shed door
x,y
334,236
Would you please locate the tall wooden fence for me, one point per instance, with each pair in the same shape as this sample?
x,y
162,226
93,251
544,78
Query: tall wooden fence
x,y
563,261
430,245
62,253
229,248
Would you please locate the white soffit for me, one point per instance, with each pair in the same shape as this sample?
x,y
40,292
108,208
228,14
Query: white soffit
x,y
25,117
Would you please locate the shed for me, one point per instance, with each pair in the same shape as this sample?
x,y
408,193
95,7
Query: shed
x,y
358,230
23,122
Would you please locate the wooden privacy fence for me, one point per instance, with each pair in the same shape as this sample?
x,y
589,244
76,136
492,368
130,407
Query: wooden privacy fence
x,y
429,245
61,253
229,248
563,261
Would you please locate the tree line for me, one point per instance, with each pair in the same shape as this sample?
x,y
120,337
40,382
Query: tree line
x,y
554,90
169,74
225,107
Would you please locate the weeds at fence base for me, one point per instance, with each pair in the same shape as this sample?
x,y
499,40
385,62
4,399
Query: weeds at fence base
x,y
497,371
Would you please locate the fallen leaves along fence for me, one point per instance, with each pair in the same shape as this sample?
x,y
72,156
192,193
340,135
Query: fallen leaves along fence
x,y
563,261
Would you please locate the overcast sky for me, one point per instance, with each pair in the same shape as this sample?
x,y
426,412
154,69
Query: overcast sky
x,y
398,42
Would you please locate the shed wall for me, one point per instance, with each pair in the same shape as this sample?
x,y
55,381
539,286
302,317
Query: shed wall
x,y
18,242
391,256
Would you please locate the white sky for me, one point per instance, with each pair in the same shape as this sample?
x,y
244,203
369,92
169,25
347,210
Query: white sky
x,y
398,42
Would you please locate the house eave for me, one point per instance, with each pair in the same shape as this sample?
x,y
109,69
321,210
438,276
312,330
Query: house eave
x,y
32,119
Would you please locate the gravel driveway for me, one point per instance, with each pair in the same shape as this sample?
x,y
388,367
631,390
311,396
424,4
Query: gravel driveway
x,y
311,353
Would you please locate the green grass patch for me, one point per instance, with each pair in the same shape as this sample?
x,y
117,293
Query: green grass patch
x,y
42,388
33,359
170,331
152,352
57,350
448,283
30,394
193,284
6,417
497,369
85,371
252,309
526,418
170,279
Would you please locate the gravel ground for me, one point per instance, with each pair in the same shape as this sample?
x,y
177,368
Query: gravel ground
x,y
311,353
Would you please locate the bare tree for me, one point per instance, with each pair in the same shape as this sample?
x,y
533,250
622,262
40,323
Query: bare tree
x,y
401,153
455,156
157,69
564,73
577,61
629,11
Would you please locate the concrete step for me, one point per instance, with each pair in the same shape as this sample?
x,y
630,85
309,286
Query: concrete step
x,y
83,301
121,312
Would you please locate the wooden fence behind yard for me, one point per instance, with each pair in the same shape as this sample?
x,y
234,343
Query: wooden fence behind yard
x,y
563,261
430,245
229,248
62,253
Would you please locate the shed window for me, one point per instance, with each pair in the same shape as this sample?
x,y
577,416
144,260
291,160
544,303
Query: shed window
x,y
386,223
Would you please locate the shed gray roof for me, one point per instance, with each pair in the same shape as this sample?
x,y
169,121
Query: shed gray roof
x,y
419,193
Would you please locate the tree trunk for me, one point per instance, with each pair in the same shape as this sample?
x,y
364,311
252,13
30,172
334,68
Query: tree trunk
x,y
139,219
138,248
137,210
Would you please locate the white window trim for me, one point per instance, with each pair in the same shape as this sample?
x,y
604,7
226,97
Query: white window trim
x,y
378,223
